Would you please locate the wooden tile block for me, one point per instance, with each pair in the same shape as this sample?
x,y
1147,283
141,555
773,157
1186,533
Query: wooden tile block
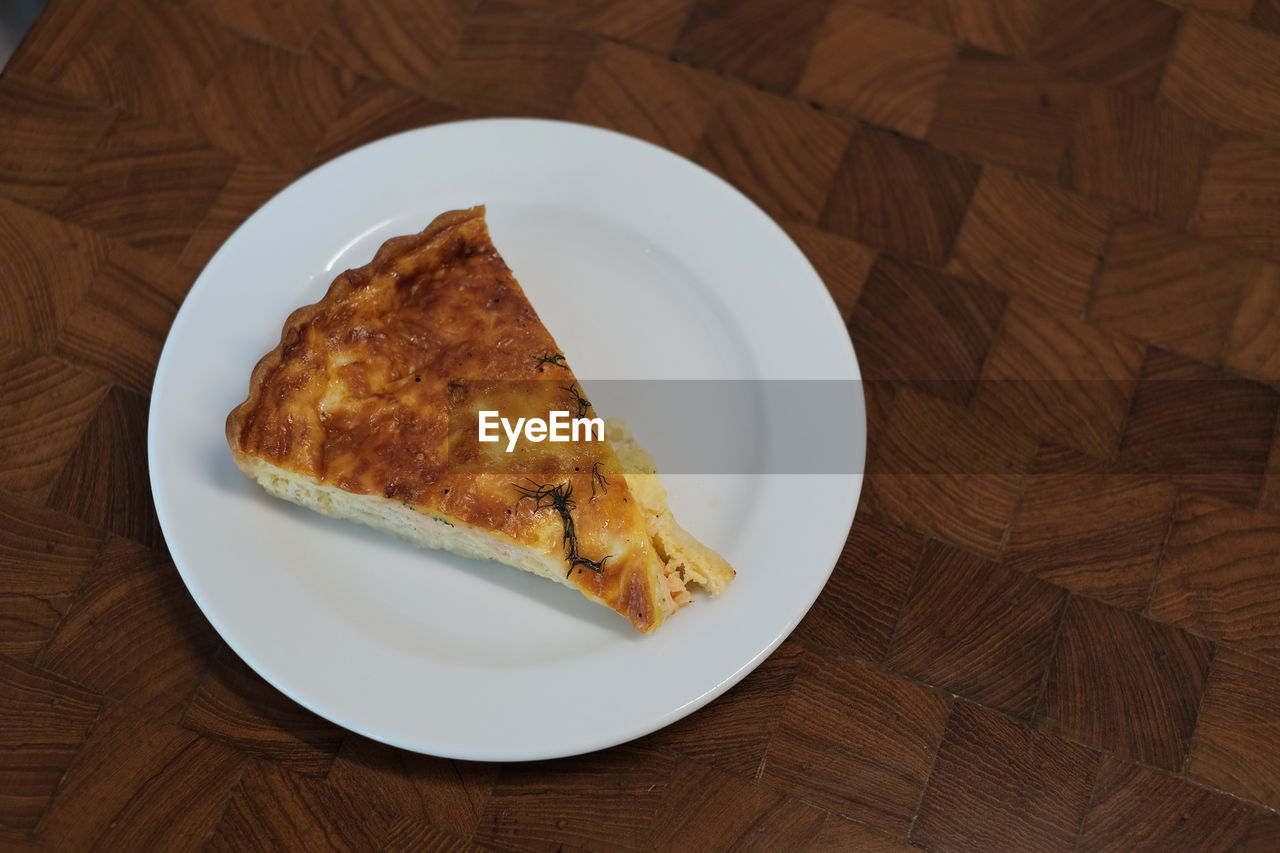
x,y
43,721
286,23
407,835
1100,534
105,481
1143,155
952,473
509,63
977,629
1251,345
133,632
1125,684
758,40
119,328
1227,72
988,762
1238,9
18,841
47,136
780,153
1060,378
880,69
151,59
547,804
1170,289
707,809
870,756
895,194
1270,500
860,604
930,14
654,25
1200,428
273,809
647,96
881,396
1237,745
235,705
438,791
43,555
1007,112
1264,834
1266,15
1121,43
839,834
1031,239
48,268
375,109
249,187
1002,26
842,263
148,185
1136,809
923,328
401,41
999,25
44,408
733,732
1220,576
47,31
1240,197
278,125
141,784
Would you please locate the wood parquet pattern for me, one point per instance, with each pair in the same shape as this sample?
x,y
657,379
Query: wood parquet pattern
x,y
1053,230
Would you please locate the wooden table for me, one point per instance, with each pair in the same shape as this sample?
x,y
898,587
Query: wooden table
x,y
1054,229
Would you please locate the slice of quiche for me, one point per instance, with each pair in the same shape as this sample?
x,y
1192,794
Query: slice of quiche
x,y
366,411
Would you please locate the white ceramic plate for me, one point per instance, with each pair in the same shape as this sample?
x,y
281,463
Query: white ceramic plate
x,y
682,277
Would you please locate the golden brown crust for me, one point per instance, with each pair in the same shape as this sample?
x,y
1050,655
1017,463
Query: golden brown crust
x,y
356,396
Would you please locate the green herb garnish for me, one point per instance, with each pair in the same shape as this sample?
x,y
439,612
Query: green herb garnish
x,y
559,498
582,402
551,358
598,480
